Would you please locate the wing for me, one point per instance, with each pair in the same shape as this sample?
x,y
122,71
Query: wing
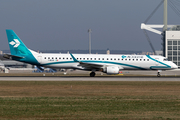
x,y
91,66
87,65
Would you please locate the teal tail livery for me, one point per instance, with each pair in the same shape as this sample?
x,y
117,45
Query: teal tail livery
x,y
18,49
109,64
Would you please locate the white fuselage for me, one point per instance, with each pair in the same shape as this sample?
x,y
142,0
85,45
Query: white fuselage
x,y
127,62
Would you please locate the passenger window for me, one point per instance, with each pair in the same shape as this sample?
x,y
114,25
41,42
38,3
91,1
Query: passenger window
x,y
129,59
94,58
144,59
99,58
84,58
107,59
114,58
52,58
147,59
111,58
122,59
67,58
63,58
91,58
48,57
59,58
45,58
136,59
140,59
102,58
133,59
87,58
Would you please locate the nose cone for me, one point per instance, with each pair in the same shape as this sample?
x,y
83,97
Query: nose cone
x,y
174,66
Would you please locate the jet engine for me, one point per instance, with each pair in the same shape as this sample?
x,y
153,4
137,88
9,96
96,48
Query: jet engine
x,y
111,70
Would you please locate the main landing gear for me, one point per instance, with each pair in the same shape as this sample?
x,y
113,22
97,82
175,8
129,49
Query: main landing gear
x,y
92,74
158,73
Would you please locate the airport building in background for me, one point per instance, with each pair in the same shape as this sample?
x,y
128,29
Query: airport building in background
x,y
171,41
172,44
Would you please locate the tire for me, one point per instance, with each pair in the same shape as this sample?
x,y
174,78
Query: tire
x,y
92,74
158,75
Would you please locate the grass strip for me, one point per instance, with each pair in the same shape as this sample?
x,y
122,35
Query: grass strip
x,y
89,100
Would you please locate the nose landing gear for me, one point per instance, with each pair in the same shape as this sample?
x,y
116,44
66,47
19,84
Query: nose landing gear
x,y
158,73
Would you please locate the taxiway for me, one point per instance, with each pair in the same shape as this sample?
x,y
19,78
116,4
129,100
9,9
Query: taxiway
x,y
74,78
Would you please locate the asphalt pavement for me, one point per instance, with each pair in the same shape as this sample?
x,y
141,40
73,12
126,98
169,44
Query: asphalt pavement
x,y
98,78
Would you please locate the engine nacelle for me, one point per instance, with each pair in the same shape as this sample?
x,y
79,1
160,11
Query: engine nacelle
x,y
112,70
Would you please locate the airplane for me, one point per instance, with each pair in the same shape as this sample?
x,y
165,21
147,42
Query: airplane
x,y
109,64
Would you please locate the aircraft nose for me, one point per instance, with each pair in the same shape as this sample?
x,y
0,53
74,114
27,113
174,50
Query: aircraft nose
x,y
174,66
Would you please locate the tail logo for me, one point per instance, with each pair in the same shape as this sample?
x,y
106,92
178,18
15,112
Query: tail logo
x,y
16,43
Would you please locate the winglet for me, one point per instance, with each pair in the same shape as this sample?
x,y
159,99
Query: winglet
x,y
75,60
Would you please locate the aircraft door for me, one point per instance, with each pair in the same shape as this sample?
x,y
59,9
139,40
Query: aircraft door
x,y
40,59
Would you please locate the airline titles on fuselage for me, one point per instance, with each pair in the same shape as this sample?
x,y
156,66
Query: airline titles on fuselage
x,y
133,56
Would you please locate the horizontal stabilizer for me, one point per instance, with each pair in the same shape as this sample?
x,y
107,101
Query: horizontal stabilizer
x,y
8,56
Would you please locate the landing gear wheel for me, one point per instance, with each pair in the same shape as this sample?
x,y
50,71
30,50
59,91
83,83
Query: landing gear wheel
x,y
158,74
92,74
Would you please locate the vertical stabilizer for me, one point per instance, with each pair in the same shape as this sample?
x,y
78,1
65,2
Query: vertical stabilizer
x,y
19,51
17,47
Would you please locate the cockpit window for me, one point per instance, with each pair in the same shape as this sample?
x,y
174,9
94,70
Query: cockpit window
x,y
165,59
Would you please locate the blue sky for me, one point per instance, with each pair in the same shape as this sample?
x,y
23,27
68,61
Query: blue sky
x,y
63,24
